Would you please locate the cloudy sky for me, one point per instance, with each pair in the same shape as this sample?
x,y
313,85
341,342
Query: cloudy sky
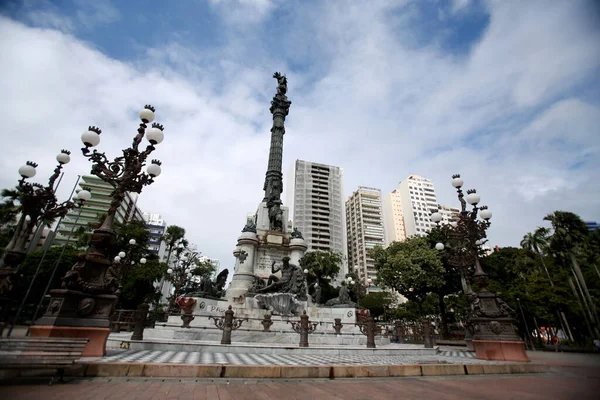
x,y
507,93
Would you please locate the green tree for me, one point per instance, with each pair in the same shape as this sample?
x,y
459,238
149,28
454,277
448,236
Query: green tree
x,y
137,279
537,242
8,218
452,280
188,269
174,236
322,266
27,271
567,244
358,289
411,267
517,273
377,303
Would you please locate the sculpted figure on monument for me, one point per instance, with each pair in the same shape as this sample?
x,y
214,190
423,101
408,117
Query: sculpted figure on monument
x,y
292,280
343,299
296,234
212,289
281,83
275,215
250,227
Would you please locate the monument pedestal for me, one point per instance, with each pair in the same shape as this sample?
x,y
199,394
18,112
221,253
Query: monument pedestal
x,y
76,314
500,350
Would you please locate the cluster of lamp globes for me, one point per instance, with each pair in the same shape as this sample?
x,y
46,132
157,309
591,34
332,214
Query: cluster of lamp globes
x,y
154,135
91,138
473,199
122,255
29,170
188,274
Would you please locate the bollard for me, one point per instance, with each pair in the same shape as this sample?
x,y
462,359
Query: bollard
x,y
399,331
266,323
227,324
338,325
369,328
304,327
427,334
187,317
140,321
116,328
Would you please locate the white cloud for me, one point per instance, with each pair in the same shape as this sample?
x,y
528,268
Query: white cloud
x,y
92,13
507,115
49,19
244,13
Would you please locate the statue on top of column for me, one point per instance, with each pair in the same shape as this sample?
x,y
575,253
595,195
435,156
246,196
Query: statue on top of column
x,y
281,83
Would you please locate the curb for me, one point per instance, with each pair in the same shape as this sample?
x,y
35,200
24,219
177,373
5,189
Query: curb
x,y
93,369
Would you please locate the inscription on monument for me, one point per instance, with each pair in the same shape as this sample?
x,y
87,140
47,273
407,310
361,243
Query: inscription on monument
x,y
265,260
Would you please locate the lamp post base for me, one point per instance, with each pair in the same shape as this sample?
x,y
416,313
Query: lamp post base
x,y
500,350
76,314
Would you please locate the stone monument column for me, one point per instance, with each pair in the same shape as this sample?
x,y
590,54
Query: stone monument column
x,y
297,249
245,254
280,107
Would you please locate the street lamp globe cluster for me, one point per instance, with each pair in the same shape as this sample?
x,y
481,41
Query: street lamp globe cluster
x,y
487,320
37,205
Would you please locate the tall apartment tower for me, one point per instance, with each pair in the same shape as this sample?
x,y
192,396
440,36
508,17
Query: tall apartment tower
x,y
95,207
394,217
408,209
157,227
319,207
364,227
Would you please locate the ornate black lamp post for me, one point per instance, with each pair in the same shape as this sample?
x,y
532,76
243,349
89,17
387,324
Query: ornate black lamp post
x,y
37,203
488,320
84,304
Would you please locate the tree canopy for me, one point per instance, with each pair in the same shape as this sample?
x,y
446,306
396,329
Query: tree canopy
x,y
411,267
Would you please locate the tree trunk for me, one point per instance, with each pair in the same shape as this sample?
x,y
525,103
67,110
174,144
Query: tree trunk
x,y
583,308
444,323
584,289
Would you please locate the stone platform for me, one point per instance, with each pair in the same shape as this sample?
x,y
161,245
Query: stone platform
x,y
229,365
202,328
123,340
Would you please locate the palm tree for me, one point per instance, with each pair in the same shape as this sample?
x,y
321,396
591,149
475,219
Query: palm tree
x,y
174,236
537,242
570,233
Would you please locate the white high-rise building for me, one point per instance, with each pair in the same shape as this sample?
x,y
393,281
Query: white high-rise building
x,y
449,214
157,228
364,226
394,217
318,207
410,207
94,208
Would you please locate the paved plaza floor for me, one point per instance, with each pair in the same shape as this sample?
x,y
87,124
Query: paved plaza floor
x,y
563,383
184,357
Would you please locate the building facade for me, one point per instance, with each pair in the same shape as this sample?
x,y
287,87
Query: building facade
x,y
365,230
96,207
157,228
318,207
418,201
449,214
394,217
